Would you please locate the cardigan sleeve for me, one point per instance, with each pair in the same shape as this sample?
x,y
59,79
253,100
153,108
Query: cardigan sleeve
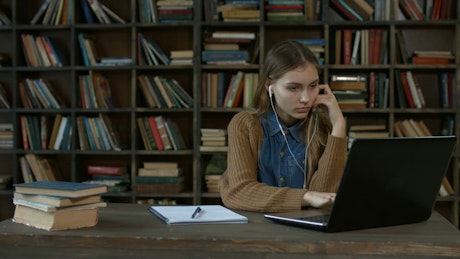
x,y
239,187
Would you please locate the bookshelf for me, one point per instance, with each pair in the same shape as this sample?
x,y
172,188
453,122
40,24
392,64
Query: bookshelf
x,y
120,40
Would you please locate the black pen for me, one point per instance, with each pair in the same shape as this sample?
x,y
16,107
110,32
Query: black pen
x,y
196,212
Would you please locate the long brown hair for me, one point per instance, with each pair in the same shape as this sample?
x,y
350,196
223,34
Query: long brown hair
x,y
283,57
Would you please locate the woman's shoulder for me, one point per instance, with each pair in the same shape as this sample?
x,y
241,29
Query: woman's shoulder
x,y
245,119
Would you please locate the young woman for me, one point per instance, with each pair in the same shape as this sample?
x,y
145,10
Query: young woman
x,y
290,150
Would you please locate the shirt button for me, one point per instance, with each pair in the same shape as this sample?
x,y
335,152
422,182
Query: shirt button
x,y
282,180
281,154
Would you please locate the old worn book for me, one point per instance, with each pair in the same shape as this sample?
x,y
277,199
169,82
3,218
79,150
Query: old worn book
x,y
68,218
61,188
53,208
58,201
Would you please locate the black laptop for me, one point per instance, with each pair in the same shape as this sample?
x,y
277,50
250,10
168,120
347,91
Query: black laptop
x,y
386,182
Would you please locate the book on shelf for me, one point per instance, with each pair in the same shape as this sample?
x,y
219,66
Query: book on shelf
x,y
60,188
42,168
432,57
53,208
53,12
100,13
151,51
4,18
175,134
159,172
165,138
88,49
95,91
107,170
181,57
148,12
161,165
98,133
233,96
158,179
156,133
159,188
211,214
174,11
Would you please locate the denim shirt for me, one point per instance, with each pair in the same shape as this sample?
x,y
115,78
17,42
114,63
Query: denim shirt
x,y
277,167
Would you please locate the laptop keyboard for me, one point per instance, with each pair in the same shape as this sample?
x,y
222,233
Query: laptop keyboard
x,y
318,218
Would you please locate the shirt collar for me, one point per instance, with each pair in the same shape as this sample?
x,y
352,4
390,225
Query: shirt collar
x,y
271,122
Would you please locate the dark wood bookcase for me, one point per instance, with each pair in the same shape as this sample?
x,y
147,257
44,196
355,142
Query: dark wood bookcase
x,y
120,40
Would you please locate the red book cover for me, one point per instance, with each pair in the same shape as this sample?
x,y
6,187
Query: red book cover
x,y
430,60
372,90
156,133
106,170
25,142
377,46
407,92
347,46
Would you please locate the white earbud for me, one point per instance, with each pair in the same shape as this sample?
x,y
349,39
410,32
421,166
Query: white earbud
x,y
270,91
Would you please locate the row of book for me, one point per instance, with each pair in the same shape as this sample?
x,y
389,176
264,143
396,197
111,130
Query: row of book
x,y
316,45
57,205
163,92
39,168
98,133
164,11
54,12
365,46
160,133
366,131
42,51
95,11
35,132
220,89
288,10
150,52
429,10
226,47
230,10
159,178
95,91
39,93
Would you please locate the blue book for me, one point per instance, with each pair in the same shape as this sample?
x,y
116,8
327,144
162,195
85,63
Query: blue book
x,y
61,188
224,55
87,11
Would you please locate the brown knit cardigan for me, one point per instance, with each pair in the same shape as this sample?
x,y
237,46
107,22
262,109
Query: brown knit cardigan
x,y
239,187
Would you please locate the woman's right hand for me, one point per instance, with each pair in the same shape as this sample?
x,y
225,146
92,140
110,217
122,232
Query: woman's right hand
x,y
317,199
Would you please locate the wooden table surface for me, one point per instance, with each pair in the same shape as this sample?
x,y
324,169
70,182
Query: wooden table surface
x,y
129,230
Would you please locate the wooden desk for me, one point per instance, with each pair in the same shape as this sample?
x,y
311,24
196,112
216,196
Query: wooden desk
x,y
130,230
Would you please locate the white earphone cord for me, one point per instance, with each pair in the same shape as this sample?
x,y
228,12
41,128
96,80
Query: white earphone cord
x,y
304,169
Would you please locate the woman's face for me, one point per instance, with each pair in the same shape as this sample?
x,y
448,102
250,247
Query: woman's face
x,y
295,93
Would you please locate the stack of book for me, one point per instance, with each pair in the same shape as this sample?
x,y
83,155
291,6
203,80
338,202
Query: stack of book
x,y
229,47
350,90
316,46
213,139
432,57
159,133
367,131
240,11
159,178
285,10
163,92
6,135
181,57
57,205
116,178
214,170
174,11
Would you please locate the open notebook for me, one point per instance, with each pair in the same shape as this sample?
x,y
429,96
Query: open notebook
x,y
385,182
187,214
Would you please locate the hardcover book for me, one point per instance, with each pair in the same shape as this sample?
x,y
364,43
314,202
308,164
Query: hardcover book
x,y
60,188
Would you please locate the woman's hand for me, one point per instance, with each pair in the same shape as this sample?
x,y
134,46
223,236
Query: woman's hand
x,y
329,102
317,199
